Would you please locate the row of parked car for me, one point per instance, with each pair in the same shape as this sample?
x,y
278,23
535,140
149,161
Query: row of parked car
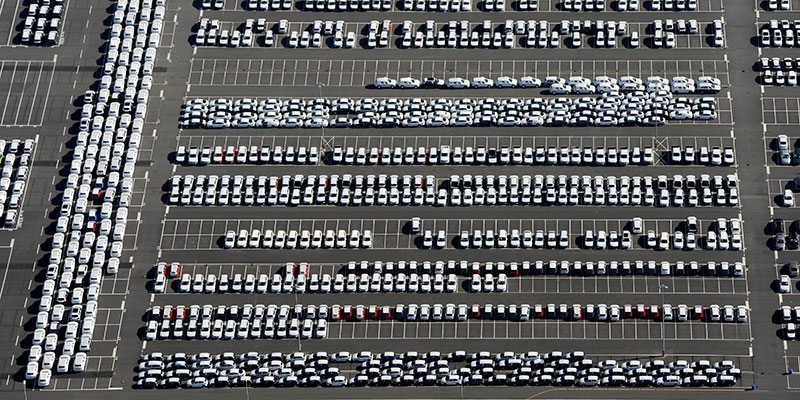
x,y
16,157
386,5
791,317
457,190
210,33
634,93
436,276
779,78
316,283
654,5
300,328
42,22
609,109
783,33
430,283
526,268
451,34
182,315
454,155
87,242
775,5
590,240
557,85
528,155
431,368
466,5
783,238
787,156
496,35
247,155
298,239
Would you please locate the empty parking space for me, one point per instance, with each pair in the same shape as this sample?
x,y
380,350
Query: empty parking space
x,y
10,18
539,329
781,110
24,92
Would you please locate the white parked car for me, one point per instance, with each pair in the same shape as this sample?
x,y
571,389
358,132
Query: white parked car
x,y
506,82
385,83
457,83
408,83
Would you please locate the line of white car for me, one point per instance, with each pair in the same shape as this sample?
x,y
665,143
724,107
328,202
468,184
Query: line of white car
x,y
319,283
457,190
94,207
300,239
607,109
557,85
433,368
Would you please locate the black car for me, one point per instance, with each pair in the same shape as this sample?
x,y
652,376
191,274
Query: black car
x,y
793,242
777,226
433,82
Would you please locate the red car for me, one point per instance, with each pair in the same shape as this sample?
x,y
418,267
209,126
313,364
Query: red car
x,y
476,311
641,311
475,268
303,269
698,312
627,311
538,311
655,312
175,270
373,312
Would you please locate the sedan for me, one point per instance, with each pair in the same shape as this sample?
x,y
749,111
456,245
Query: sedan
x,y
784,284
408,83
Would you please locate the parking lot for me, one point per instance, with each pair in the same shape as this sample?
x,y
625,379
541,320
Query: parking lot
x,y
196,240
687,130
